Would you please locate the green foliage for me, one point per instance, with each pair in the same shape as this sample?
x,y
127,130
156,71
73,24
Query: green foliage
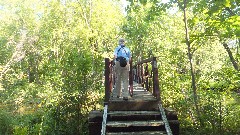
x,y
69,114
6,123
51,65
27,123
161,34
51,53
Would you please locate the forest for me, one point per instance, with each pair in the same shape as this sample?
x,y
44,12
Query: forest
x,y
52,61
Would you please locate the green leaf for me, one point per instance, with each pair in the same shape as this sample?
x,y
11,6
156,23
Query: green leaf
x,y
227,3
144,2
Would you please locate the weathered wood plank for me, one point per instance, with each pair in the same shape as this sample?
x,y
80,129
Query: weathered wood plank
x,y
129,105
137,96
123,113
95,116
133,115
132,100
134,123
139,133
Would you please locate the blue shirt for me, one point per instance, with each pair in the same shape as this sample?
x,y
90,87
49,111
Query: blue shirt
x,y
124,52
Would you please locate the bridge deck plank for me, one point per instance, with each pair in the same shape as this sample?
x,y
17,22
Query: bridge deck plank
x,y
139,95
141,100
139,133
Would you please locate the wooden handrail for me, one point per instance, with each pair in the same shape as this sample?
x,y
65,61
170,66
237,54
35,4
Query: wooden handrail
x,y
142,75
145,61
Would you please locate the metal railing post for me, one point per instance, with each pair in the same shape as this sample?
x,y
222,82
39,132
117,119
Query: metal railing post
x,y
104,122
164,118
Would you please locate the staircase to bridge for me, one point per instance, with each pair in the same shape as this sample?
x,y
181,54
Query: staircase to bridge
x,y
142,114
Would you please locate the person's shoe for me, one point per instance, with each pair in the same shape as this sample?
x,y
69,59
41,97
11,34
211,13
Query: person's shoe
x,y
118,96
125,98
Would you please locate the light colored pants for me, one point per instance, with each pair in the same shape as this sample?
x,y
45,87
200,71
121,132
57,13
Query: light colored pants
x,y
122,75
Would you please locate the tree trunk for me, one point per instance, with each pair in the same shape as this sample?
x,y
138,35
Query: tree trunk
x,y
238,46
191,65
234,62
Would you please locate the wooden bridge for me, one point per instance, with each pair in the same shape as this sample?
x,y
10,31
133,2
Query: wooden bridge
x,y
143,113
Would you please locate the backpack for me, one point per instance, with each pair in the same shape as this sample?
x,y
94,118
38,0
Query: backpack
x,y
122,60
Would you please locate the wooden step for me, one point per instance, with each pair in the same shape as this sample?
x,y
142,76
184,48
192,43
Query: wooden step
x,y
135,126
133,115
95,121
138,133
133,105
137,96
134,123
126,113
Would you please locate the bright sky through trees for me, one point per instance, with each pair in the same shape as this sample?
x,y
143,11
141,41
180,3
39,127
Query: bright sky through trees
x,y
125,3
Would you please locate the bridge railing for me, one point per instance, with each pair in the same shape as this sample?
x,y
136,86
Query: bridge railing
x,y
109,74
145,72
107,83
